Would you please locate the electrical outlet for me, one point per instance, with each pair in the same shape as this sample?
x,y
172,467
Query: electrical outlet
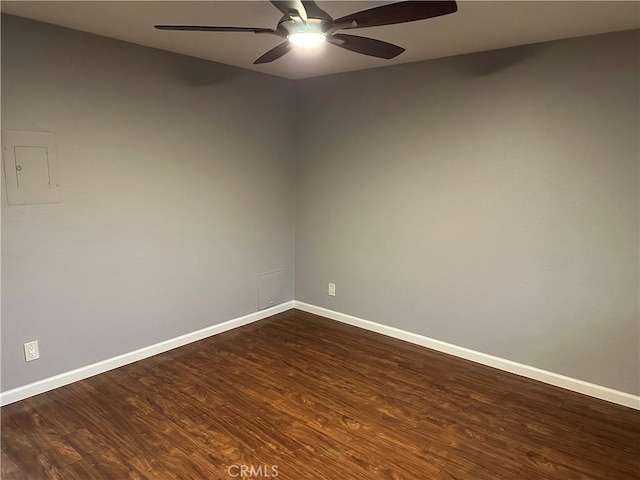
x,y
31,351
331,290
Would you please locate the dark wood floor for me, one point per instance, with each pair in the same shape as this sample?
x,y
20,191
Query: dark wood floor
x,y
302,397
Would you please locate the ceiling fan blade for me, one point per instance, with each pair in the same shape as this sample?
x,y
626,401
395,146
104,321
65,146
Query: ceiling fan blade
x,y
293,5
314,11
399,12
366,46
211,28
275,53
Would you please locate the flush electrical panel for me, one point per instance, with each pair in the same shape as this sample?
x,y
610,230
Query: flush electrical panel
x,y
30,167
271,288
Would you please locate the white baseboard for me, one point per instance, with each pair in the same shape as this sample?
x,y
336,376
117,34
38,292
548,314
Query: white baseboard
x,y
580,386
66,378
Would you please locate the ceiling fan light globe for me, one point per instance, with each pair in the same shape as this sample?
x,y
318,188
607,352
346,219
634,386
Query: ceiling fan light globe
x,y
307,39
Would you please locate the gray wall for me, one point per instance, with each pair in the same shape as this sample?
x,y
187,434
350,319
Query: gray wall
x,y
177,181
487,200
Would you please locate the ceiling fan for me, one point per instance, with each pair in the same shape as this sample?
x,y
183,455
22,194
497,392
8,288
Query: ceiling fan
x,y
305,24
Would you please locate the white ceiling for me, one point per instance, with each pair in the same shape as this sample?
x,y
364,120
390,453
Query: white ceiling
x,y
477,26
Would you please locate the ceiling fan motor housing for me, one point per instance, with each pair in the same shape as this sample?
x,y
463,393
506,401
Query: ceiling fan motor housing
x,y
295,24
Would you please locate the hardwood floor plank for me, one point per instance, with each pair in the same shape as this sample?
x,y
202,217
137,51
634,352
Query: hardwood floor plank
x,y
315,399
17,446
150,467
458,468
44,438
8,468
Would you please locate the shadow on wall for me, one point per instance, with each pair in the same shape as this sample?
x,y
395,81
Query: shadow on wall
x,y
201,73
488,63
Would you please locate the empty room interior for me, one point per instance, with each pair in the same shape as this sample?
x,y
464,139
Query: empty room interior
x,y
411,251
